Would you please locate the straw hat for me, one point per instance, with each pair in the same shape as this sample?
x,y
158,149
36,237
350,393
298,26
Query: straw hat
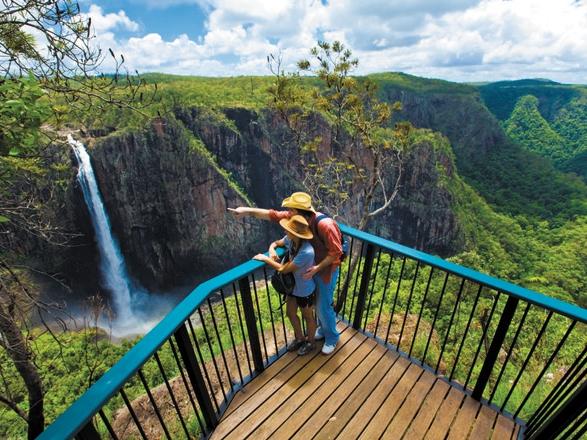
x,y
298,226
298,200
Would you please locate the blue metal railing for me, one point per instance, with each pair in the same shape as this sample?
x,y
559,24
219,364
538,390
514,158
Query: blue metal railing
x,y
379,288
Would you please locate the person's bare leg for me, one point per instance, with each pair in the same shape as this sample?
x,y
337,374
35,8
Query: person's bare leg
x,y
308,315
292,314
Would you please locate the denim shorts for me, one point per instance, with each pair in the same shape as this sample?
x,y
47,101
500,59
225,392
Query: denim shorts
x,y
305,301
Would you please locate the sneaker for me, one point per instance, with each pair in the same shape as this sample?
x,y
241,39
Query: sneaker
x,y
306,348
295,345
319,335
327,348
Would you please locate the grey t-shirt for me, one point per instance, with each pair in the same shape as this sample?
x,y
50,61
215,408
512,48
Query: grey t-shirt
x,y
303,260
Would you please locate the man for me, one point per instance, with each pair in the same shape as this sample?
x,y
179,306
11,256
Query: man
x,y
327,243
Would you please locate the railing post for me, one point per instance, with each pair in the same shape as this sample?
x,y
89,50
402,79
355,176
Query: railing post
x,y
564,416
362,295
88,432
251,322
195,374
496,343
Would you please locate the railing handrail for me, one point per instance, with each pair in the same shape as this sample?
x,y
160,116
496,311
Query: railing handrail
x,y
86,406
89,403
570,310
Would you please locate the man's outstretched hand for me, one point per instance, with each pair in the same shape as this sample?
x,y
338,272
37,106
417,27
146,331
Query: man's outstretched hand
x,y
239,212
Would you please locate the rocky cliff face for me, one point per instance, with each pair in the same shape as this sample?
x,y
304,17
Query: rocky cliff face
x,y
472,130
167,202
167,206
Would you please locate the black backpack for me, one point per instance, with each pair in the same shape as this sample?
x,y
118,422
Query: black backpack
x,y
343,238
284,283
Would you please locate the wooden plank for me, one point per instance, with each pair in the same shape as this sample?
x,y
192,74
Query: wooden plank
x,y
389,408
286,360
427,411
503,428
410,406
483,423
353,401
462,424
516,432
275,392
312,418
366,412
444,415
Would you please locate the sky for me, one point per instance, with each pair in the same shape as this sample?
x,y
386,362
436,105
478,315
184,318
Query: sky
x,y
456,40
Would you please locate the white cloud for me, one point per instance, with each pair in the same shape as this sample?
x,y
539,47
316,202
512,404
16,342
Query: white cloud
x,y
469,40
103,23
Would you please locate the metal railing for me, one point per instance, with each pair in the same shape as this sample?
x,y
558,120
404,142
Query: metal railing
x,y
520,352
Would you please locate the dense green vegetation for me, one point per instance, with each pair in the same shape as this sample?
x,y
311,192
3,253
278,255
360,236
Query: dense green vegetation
x,y
538,238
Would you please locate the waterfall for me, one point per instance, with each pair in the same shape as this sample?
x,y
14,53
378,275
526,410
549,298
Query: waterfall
x,y
113,268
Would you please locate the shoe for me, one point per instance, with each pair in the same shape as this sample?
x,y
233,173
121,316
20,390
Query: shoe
x,y
319,335
295,345
306,348
327,348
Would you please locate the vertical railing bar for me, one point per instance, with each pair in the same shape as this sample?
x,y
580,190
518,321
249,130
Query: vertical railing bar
x,y
280,307
107,424
185,382
539,377
212,356
575,408
567,378
348,276
260,322
170,391
190,360
510,351
364,287
270,313
580,434
356,280
220,343
536,423
197,345
232,340
399,281
421,309
240,320
409,303
132,413
540,333
372,289
442,291
384,291
452,316
152,399
251,322
482,339
465,332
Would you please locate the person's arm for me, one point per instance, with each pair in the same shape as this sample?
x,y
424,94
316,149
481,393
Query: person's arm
x,y
277,243
243,211
283,268
327,261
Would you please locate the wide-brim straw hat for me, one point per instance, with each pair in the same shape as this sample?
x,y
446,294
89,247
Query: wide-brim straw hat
x,y
298,226
298,200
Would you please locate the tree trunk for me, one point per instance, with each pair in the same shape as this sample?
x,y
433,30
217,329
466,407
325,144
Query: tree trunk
x,y
17,349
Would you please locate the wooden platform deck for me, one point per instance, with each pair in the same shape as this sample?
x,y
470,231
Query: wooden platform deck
x,y
360,391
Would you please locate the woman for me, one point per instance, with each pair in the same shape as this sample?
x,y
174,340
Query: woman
x,y
301,259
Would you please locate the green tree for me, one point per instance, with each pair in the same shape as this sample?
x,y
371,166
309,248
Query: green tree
x,y
360,126
48,74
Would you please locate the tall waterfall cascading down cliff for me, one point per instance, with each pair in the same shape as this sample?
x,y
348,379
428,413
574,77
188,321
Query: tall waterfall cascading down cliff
x,y
115,277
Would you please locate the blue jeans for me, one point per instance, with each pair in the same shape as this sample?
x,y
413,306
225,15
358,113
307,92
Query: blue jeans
x,y
325,308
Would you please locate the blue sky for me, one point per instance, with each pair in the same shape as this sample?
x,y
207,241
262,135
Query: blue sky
x,y
458,40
